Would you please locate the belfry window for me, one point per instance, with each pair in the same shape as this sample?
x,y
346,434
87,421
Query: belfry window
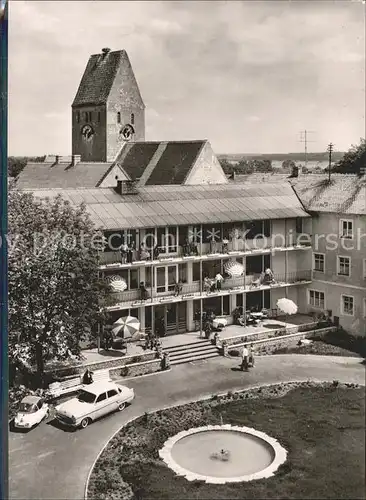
x,y
118,117
132,119
77,116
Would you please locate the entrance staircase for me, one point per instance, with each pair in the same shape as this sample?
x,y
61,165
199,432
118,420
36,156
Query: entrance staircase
x,y
195,351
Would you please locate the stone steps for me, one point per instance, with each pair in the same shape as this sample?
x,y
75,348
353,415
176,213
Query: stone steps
x,y
195,351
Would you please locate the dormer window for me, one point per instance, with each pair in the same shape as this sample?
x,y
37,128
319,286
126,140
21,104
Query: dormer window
x,y
118,117
132,119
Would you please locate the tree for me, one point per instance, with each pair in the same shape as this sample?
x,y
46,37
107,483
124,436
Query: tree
x,y
245,167
17,163
353,160
263,165
288,164
226,166
56,297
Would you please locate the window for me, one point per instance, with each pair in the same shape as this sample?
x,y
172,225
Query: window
x,y
346,228
211,232
86,116
347,305
319,262
77,116
364,268
132,119
118,117
112,393
316,299
254,228
344,266
298,225
101,397
90,116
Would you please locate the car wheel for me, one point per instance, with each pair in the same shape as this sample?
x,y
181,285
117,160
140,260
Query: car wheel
x,y
121,406
84,423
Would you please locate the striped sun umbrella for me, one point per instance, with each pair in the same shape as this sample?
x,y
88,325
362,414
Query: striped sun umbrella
x,y
126,327
234,268
117,283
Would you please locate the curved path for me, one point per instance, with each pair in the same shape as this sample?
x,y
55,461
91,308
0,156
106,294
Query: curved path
x,y
50,463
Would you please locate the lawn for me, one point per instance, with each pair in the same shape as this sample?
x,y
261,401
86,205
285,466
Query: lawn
x,y
322,427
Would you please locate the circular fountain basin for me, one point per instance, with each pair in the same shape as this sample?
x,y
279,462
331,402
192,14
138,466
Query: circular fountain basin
x,y
223,453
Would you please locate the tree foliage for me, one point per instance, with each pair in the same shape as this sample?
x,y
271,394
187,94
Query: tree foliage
x,y
17,163
353,160
56,297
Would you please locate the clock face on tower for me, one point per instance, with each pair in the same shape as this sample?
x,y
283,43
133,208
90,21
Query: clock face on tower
x,y
87,132
127,132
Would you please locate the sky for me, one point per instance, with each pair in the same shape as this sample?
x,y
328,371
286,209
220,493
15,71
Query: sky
x,y
248,76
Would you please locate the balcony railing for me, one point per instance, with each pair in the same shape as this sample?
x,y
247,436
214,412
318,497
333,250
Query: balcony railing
x,y
193,290
247,248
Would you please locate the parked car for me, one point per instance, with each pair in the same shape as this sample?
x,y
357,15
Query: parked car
x,y
32,410
92,402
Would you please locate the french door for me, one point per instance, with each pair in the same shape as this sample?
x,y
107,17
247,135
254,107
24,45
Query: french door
x,y
165,278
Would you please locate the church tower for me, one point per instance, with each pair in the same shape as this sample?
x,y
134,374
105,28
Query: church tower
x,y
108,109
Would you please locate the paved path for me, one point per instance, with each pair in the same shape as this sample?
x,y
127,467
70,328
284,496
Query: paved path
x,y
49,463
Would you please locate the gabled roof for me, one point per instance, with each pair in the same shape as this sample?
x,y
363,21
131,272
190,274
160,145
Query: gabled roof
x,y
100,75
62,175
344,194
183,205
164,162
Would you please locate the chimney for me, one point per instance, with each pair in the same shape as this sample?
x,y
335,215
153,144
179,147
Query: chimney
x,y
75,159
57,159
295,171
119,186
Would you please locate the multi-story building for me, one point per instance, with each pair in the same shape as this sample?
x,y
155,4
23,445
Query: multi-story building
x,y
258,226
183,221
338,210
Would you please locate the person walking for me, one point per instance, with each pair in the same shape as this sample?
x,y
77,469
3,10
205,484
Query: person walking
x,y
244,359
218,281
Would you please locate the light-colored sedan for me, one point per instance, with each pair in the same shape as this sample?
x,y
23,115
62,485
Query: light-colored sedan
x,y
92,402
32,410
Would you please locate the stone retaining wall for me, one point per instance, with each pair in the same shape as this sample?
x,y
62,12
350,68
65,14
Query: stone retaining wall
x,y
267,334
136,369
110,363
267,346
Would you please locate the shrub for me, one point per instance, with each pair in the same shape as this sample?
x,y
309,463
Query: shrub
x,y
335,383
124,371
136,359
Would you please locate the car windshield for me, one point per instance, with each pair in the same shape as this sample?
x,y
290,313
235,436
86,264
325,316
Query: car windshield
x,y
27,408
86,397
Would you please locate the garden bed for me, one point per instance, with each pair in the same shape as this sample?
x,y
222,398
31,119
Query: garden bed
x,y
321,426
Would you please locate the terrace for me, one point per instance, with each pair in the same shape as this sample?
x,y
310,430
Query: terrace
x,y
244,284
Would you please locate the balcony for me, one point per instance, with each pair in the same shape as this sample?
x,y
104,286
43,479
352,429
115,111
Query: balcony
x,y
131,298
112,260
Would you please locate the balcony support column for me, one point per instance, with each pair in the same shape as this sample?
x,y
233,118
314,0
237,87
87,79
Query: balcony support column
x,y
201,291
189,315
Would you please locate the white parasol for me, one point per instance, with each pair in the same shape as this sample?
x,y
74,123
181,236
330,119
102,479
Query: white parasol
x,y
287,306
117,283
234,268
126,327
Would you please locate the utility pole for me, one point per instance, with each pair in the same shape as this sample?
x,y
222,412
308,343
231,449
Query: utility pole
x,y
304,138
330,151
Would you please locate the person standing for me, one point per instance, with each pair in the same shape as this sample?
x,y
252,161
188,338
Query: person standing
x,y
225,245
251,355
218,280
244,359
124,252
143,291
